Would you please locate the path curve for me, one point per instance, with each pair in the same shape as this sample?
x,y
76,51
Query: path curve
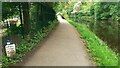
x,y
62,48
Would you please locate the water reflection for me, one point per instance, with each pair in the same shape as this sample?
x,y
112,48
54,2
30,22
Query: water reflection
x,y
105,30
108,32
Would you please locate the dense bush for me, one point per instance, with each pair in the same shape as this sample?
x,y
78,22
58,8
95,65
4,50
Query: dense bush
x,y
106,10
98,11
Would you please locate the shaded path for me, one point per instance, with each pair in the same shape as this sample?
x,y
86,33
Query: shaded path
x,y
62,48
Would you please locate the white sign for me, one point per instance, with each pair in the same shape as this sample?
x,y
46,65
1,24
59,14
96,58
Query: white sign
x,y
10,50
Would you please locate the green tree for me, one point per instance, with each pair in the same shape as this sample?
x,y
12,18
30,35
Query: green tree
x,y
9,9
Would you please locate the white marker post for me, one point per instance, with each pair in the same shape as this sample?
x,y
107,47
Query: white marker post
x,y
10,49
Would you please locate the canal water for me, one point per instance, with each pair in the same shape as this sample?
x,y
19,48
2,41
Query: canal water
x,y
108,31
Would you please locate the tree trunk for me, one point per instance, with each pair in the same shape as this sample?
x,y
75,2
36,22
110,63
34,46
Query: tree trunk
x,y
21,30
26,17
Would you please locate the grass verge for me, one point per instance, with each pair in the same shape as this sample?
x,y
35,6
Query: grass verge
x,y
27,46
100,52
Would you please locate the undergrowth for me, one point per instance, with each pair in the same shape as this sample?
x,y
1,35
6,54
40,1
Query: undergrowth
x,y
26,46
99,50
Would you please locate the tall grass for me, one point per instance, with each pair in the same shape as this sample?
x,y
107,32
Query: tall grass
x,y
100,52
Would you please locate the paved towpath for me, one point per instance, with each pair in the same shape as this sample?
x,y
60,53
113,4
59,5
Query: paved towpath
x,y
63,47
